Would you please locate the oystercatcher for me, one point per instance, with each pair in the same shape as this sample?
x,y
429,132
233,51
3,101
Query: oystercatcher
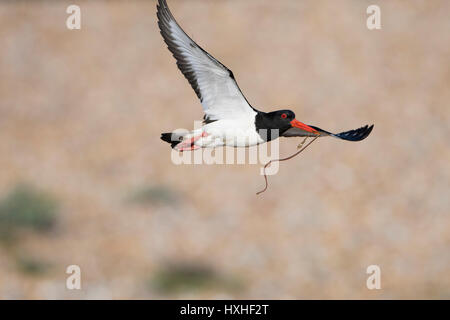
x,y
229,118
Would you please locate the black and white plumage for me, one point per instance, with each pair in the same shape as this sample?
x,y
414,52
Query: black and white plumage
x,y
229,119
213,83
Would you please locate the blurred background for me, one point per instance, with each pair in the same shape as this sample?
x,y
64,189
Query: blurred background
x,y
85,180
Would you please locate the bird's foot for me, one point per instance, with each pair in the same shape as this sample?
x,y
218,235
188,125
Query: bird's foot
x,y
191,148
189,144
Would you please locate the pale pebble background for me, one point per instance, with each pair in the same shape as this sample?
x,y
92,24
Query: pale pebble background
x,y
81,113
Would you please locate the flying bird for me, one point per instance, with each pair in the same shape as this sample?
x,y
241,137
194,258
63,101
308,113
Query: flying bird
x,y
229,118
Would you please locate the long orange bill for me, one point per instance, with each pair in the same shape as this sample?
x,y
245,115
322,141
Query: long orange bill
x,y
297,124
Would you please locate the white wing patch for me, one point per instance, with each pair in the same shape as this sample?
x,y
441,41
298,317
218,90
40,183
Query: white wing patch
x,y
213,83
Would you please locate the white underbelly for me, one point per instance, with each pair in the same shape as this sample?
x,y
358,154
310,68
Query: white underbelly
x,y
230,133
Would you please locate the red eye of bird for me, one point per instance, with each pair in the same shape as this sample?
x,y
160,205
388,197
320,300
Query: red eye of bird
x,y
284,115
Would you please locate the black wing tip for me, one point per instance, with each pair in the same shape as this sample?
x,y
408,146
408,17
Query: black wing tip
x,y
163,11
164,18
357,134
162,3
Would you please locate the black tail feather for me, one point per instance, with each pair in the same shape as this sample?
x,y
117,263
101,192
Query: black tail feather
x,y
171,138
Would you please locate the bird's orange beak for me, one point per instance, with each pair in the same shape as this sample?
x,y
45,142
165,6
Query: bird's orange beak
x,y
297,124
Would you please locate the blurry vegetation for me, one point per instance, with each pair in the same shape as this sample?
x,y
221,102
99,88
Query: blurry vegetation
x,y
31,266
190,277
154,194
26,208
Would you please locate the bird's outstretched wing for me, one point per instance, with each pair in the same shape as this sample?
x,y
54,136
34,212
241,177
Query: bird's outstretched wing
x,y
213,83
352,135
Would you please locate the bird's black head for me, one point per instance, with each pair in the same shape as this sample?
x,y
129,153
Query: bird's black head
x,y
282,120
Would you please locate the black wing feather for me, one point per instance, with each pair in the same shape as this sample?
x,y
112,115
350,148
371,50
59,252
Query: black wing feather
x,y
355,135
352,135
164,18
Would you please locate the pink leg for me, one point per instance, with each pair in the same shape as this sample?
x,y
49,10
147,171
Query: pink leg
x,y
193,147
188,145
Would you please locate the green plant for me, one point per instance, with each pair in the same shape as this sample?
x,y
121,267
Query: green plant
x,y
155,194
31,266
189,277
26,208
